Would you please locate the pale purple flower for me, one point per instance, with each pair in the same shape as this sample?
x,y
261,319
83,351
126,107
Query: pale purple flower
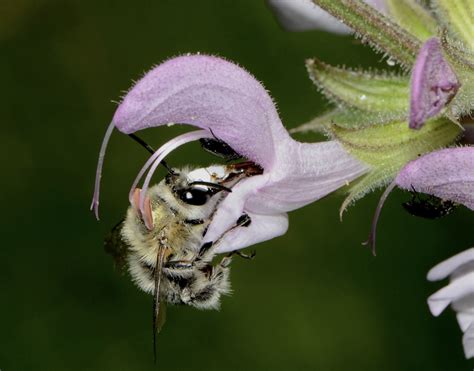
x,y
304,15
213,94
459,293
433,83
447,174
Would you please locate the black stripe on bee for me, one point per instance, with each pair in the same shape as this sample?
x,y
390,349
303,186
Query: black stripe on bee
x,y
194,221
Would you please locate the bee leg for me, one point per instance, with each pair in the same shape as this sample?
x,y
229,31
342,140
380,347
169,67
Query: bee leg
x,y
243,221
250,256
205,293
204,249
226,260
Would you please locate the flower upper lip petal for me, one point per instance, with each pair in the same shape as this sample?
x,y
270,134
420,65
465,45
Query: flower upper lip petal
x,y
210,93
447,174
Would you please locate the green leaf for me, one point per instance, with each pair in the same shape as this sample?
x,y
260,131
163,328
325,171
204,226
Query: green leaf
x,y
387,148
414,17
363,90
376,29
458,17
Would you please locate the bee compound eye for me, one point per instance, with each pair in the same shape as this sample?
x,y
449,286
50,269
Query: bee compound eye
x,y
194,196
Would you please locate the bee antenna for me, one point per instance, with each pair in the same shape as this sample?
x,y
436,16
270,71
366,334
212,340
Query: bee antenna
x,y
220,187
151,150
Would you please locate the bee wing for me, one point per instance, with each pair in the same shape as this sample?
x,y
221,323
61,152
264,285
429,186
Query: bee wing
x,y
158,319
161,317
116,246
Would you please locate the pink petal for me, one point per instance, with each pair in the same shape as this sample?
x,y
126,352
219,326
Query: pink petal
x,y
210,93
447,174
207,92
304,173
433,83
304,15
449,266
261,228
456,290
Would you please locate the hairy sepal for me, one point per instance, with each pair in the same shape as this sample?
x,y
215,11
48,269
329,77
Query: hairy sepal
x,y
461,59
387,148
348,118
365,91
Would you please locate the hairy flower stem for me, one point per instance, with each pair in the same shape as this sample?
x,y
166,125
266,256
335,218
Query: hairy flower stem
x,y
382,33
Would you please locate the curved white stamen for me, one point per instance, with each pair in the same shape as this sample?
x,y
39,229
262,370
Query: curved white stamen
x,y
98,174
152,158
162,152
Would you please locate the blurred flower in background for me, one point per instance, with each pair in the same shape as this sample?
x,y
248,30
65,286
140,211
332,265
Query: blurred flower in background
x,y
389,119
459,293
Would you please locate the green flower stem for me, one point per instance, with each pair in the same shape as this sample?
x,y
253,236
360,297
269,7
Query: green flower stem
x,y
458,17
373,27
414,17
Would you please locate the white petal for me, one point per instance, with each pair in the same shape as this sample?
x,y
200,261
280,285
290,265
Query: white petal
x,y
232,207
465,320
207,174
304,15
456,290
261,228
465,305
447,267
468,342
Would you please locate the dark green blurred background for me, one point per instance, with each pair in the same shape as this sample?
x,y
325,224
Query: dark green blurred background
x,y
312,299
